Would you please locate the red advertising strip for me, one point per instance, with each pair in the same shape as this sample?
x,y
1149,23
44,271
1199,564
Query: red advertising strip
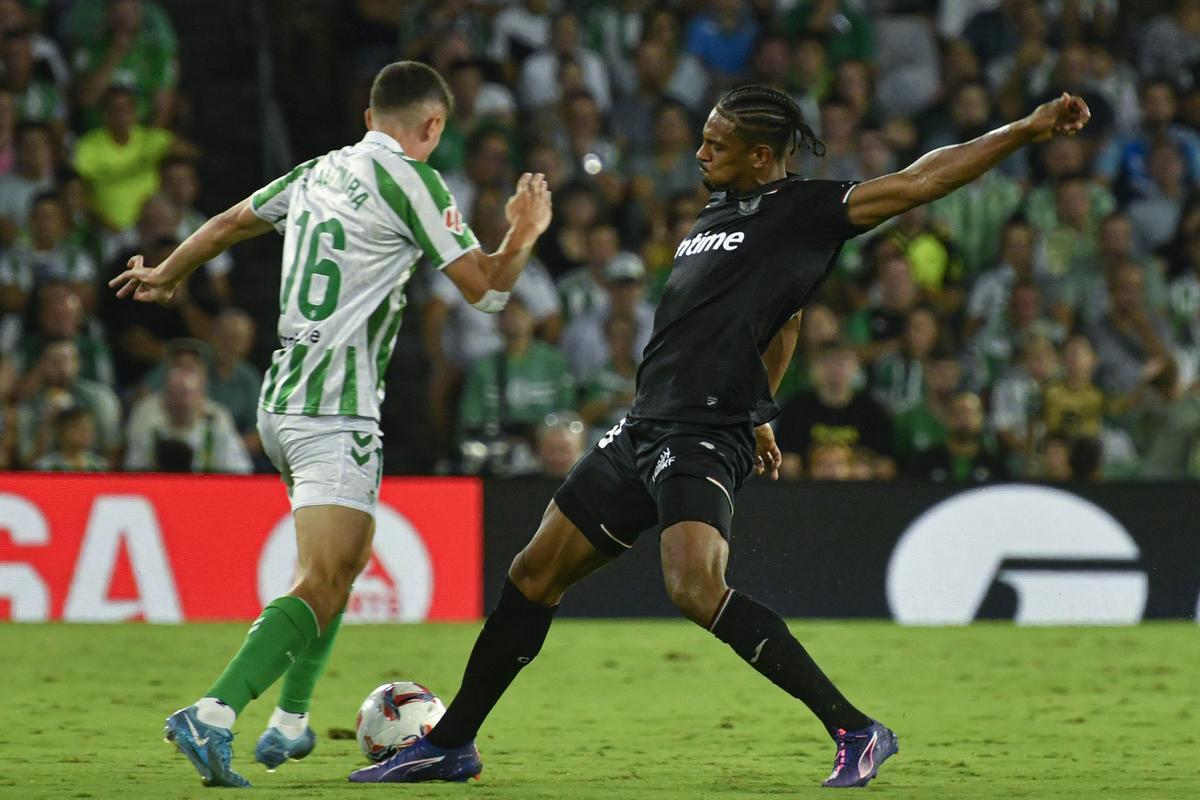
x,y
173,548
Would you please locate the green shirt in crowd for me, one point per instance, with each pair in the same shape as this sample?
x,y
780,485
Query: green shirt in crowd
x,y
916,431
503,390
120,177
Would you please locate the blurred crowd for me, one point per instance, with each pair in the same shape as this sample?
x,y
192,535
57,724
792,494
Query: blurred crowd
x,y
91,173
1042,322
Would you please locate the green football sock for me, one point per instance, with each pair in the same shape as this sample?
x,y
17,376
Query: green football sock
x,y
286,627
302,676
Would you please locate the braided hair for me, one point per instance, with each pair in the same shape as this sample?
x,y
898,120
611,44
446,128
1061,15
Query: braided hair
x,y
766,115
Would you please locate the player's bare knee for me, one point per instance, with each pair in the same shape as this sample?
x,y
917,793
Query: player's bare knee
x,y
535,581
694,590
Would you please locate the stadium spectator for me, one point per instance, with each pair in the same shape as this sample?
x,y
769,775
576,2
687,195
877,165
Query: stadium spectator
x,y
38,97
688,81
1133,345
519,29
158,219
818,328
119,161
723,37
1174,451
33,174
8,379
584,344
231,380
608,392
835,412
1156,215
457,336
48,60
74,437
830,461
180,182
1122,164
1017,398
967,455
898,379
133,46
811,77
1060,159
669,167
923,426
993,350
1171,42
539,86
1074,406
564,246
478,105
842,23
56,386
179,429
586,150
583,289
876,328
839,132
486,167
506,394
60,315
560,441
8,131
636,106
1055,463
936,266
46,256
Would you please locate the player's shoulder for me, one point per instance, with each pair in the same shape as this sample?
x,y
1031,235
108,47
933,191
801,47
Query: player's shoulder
x,y
820,187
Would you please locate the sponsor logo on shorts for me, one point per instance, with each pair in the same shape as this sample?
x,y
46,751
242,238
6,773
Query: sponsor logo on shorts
x,y
664,460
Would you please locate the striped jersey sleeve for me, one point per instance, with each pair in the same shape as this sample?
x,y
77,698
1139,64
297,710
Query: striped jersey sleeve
x,y
271,202
425,212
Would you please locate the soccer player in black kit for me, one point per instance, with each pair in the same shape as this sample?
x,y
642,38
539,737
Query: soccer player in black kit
x,y
724,331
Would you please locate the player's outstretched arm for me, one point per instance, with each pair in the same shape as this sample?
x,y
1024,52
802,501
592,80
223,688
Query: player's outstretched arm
x,y
158,284
485,279
939,172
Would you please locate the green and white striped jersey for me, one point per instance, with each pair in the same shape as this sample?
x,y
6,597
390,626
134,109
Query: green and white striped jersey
x,y
355,222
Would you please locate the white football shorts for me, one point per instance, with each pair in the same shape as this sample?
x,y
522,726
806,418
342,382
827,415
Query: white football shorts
x,y
329,460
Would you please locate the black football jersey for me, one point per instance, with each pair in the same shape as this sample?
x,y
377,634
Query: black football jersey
x,y
750,262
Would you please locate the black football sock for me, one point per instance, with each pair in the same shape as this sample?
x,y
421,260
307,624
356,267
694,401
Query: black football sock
x,y
760,636
510,639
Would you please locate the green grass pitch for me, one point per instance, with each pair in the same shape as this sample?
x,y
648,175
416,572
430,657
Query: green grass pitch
x,y
646,710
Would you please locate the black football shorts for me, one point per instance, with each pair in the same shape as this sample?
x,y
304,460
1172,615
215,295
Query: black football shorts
x,y
615,492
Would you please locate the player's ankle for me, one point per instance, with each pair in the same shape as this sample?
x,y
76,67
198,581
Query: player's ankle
x,y
212,711
290,724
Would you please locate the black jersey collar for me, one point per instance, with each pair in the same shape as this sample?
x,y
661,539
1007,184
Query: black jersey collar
x,y
766,188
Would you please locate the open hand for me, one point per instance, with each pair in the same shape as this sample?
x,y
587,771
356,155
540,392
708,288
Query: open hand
x,y
145,284
1063,116
530,204
767,457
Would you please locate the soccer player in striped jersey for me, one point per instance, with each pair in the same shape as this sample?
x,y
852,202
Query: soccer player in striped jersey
x,y
355,223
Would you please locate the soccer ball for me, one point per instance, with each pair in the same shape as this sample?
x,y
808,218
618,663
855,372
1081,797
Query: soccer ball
x,y
394,716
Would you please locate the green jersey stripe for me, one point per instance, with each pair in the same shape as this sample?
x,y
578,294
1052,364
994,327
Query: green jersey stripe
x,y
441,197
315,385
270,386
265,195
349,404
395,197
384,354
375,321
295,366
